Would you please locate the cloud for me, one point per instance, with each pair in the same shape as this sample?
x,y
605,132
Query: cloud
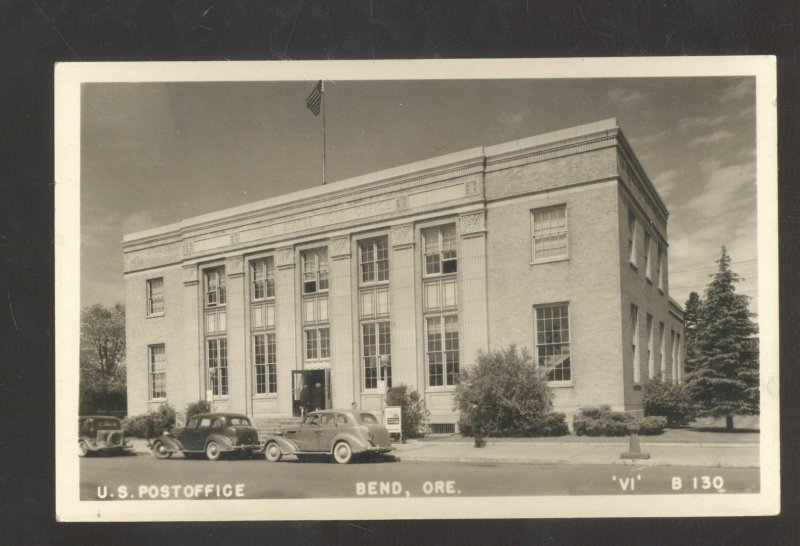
x,y
724,190
713,138
625,96
666,181
138,221
741,90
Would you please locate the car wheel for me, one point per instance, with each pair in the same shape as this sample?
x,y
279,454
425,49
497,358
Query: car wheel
x,y
83,449
160,450
273,452
213,452
342,453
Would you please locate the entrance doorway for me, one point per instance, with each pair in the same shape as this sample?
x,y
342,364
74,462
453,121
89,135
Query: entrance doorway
x,y
306,395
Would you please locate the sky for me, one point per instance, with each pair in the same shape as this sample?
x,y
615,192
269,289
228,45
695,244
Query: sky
x,y
155,153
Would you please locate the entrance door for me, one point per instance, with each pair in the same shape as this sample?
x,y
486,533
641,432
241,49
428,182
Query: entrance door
x,y
306,396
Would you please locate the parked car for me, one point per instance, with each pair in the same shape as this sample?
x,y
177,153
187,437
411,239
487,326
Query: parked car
x,y
101,434
214,434
344,434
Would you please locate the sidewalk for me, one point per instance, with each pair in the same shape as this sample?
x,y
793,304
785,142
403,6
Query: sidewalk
x,y
552,451
588,451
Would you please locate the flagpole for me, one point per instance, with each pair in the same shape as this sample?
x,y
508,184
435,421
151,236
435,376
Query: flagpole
x,y
322,92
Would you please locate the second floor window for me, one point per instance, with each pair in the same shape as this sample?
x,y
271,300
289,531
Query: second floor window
x,y
262,279
318,343
550,233
315,270
155,296
374,260
215,287
632,238
440,250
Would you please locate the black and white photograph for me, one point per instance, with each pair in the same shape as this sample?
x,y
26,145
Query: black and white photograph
x,y
416,289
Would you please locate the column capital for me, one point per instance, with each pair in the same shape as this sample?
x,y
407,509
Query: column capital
x,y
340,247
473,223
234,266
189,274
284,257
402,235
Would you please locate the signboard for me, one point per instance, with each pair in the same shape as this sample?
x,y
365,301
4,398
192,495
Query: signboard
x,y
393,419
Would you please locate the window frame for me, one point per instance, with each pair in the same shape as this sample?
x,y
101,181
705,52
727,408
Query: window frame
x,y
632,253
378,354
440,232
218,390
559,257
151,374
650,347
318,252
220,291
443,352
269,365
317,329
150,299
375,262
634,340
647,264
269,280
536,351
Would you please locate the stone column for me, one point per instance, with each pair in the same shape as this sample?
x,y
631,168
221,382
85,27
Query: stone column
x,y
236,334
286,325
193,366
403,307
472,315
341,320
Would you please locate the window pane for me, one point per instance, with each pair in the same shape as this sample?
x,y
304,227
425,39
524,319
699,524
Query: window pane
x,y
552,341
550,232
311,345
324,343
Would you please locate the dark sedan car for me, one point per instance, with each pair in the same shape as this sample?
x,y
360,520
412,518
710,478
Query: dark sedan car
x,y
341,433
214,434
101,434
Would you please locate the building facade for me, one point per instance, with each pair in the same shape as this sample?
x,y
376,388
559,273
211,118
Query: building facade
x,y
557,243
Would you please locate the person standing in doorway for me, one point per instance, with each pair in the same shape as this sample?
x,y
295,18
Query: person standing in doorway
x,y
318,397
305,400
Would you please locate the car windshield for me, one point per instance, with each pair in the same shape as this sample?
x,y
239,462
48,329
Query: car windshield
x,y
369,419
244,421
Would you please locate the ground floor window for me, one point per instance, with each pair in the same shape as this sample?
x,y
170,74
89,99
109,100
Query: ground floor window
x,y
158,371
318,343
266,362
376,342
441,350
552,341
217,356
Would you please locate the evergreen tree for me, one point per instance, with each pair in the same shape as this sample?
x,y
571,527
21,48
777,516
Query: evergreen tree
x,y
724,381
690,314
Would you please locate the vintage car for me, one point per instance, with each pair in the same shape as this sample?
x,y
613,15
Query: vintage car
x,y
101,434
344,434
214,434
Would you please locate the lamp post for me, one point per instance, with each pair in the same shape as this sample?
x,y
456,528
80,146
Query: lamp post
x,y
384,363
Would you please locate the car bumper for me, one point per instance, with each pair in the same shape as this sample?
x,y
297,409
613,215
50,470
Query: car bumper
x,y
103,449
379,449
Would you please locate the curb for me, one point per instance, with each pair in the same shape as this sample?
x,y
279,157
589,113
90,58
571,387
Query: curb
x,y
593,444
623,462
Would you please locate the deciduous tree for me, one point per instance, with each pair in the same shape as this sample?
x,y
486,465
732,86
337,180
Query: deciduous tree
x,y
102,358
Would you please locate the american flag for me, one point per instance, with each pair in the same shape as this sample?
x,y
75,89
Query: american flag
x,y
315,99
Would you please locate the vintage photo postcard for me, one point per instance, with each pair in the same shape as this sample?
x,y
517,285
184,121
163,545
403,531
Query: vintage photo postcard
x,y
416,289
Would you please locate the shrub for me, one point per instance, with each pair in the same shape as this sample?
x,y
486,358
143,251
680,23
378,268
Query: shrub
x,y
602,421
668,400
195,408
412,408
151,424
503,394
653,425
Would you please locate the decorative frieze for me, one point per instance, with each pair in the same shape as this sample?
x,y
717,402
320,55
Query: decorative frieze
x,y
472,187
340,247
234,266
402,202
189,274
473,223
402,235
284,257
188,247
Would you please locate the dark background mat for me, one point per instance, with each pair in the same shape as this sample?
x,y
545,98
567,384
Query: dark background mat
x,y
35,34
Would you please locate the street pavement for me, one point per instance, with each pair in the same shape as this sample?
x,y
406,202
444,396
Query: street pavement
x,y
585,451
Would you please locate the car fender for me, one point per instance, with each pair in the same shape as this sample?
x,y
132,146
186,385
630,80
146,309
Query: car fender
x,y
357,444
170,442
287,446
91,443
225,443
